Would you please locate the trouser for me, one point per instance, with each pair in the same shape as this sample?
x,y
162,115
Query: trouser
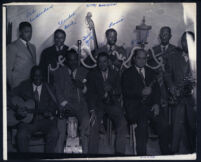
x,y
184,125
161,126
48,127
81,112
116,114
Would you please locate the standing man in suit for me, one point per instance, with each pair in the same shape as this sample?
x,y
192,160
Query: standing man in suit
x,y
70,89
156,60
111,47
35,89
20,56
103,93
179,80
142,101
54,56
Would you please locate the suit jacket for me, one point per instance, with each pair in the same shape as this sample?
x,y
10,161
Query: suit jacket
x,y
157,50
50,56
65,90
25,91
132,86
176,68
95,86
19,62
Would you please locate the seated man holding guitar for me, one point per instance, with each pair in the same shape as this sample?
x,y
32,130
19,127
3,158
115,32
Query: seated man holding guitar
x,y
34,109
141,96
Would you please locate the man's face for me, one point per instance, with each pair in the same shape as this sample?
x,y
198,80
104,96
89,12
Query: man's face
x,y
59,39
103,63
72,61
37,77
165,36
26,33
140,59
111,38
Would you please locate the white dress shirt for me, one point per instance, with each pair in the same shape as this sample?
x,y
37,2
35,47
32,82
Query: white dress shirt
x,y
142,70
39,88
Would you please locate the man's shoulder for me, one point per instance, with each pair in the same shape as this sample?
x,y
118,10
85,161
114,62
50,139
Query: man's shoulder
x,y
26,83
13,44
128,71
48,49
93,71
157,48
172,47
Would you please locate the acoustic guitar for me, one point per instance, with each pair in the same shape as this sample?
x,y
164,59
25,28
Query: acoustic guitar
x,y
27,106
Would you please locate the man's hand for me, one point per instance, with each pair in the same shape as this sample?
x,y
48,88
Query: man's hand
x,y
21,112
107,87
146,91
92,118
64,103
155,109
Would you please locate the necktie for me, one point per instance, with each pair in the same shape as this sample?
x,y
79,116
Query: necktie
x,y
142,76
28,48
104,76
36,97
163,49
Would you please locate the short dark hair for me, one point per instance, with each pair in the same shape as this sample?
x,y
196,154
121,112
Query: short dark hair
x,y
24,24
71,52
166,27
103,54
33,70
110,30
190,33
61,31
135,54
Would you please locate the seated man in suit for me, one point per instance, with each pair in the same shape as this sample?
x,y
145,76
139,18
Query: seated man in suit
x,y
43,120
70,88
141,97
103,93
54,56
20,56
180,81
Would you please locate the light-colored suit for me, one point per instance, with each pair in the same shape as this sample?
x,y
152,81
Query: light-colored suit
x,y
19,62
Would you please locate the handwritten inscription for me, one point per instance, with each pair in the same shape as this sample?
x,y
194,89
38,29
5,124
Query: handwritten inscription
x,y
87,38
40,13
115,23
69,25
101,5
61,22
30,12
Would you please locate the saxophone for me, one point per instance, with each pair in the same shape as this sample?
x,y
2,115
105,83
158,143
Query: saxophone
x,y
184,89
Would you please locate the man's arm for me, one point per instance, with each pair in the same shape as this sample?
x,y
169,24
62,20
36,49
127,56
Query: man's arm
x,y
130,89
43,64
10,62
91,91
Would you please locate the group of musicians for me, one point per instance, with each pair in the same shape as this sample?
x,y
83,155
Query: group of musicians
x,y
136,95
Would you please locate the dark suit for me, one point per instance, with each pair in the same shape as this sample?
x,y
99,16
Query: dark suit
x,y
140,113
50,56
66,91
176,68
95,94
39,123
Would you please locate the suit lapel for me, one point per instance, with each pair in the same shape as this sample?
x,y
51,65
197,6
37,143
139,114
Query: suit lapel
x,y
138,77
24,48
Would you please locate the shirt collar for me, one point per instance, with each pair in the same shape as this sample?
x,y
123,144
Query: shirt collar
x,y
138,69
23,41
59,48
166,46
35,86
112,47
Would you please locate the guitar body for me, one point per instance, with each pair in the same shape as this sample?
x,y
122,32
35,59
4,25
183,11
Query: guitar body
x,y
27,106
